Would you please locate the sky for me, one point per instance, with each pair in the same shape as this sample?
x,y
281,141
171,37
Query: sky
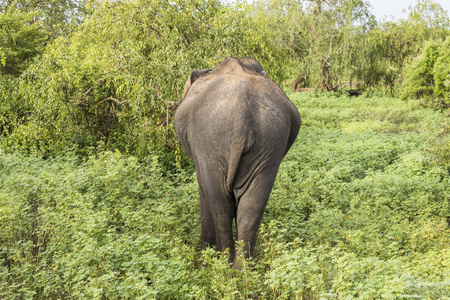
x,y
386,9
389,9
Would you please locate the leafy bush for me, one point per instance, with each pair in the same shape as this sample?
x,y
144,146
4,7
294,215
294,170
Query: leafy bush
x,y
356,211
20,40
427,76
117,79
99,228
440,146
13,110
419,81
441,73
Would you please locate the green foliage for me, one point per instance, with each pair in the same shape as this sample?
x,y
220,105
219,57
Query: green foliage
x,y
20,40
430,18
313,273
55,17
419,80
441,73
92,229
388,48
113,79
383,52
441,144
360,208
117,79
427,77
96,200
321,34
340,44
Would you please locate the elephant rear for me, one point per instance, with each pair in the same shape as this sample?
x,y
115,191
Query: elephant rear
x,y
236,124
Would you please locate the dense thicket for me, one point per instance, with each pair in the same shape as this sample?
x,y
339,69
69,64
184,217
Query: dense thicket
x,y
360,209
339,42
428,76
83,75
96,201
117,79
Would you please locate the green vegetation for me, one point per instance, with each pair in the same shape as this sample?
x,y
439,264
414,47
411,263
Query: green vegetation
x,y
428,75
360,209
18,41
99,201
100,75
116,80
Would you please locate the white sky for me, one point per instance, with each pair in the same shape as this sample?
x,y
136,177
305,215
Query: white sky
x,y
393,8
389,9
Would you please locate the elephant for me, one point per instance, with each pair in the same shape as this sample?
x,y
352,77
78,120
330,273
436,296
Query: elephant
x,y
236,124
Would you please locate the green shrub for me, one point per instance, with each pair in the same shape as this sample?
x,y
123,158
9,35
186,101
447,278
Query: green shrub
x,y
21,39
440,145
419,79
117,80
93,229
353,213
441,73
427,77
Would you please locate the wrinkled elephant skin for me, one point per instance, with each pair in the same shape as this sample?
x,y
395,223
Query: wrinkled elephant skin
x,y
236,124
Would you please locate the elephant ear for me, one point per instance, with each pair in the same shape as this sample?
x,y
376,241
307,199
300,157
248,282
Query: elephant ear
x,y
196,74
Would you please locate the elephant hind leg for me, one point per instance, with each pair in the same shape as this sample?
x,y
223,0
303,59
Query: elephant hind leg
x,y
251,208
207,221
217,208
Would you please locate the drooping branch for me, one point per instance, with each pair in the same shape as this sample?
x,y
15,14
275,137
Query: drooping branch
x,y
112,99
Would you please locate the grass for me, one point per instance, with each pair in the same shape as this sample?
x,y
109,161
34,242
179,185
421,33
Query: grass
x,y
360,209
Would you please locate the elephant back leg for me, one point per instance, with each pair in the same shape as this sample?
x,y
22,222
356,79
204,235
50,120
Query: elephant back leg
x,y
207,221
252,204
217,207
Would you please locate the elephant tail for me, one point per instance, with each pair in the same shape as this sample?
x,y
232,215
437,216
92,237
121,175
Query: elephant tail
x,y
239,148
233,166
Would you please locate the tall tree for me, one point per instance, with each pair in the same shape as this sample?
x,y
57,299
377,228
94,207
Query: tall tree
x,y
322,33
392,45
117,78
56,17
21,38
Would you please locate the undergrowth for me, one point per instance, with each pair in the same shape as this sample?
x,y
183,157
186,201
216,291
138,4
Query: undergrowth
x,y
360,209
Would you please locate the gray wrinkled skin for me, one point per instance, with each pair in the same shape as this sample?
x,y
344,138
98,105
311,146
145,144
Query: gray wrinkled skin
x,y
236,124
